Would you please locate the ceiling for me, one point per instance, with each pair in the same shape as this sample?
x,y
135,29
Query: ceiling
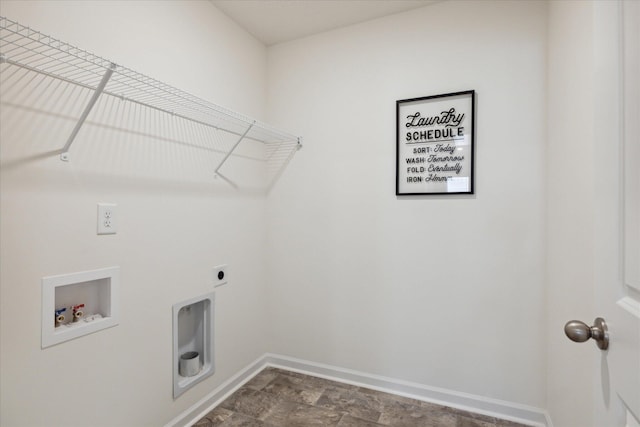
x,y
277,21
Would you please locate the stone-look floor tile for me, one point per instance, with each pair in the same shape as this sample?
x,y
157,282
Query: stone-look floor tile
x,y
214,418
352,401
393,401
262,379
397,398
293,374
491,421
294,389
349,421
279,398
241,420
479,417
401,414
473,422
429,406
293,414
311,381
254,403
317,382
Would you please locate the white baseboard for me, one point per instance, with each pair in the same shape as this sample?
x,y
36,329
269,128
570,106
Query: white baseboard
x,y
478,404
213,399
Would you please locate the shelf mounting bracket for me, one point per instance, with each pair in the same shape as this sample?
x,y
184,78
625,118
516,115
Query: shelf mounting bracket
x,y
217,171
64,156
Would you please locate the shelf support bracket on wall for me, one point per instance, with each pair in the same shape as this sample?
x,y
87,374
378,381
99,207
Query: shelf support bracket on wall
x,y
105,78
217,171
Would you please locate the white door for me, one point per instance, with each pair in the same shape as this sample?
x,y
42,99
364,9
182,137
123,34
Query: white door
x,y
617,211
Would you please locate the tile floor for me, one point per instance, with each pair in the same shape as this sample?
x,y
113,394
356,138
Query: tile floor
x,y
278,398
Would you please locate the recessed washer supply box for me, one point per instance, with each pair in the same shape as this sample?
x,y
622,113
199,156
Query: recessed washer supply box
x,y
97,290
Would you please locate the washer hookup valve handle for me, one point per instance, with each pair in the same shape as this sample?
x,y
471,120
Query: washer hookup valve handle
x,y
77,312
59,316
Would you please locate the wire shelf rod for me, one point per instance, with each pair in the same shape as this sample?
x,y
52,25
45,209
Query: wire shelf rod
x,y
233,149
107,75
137,81
40,54
165,106
24,48
48,74
135,101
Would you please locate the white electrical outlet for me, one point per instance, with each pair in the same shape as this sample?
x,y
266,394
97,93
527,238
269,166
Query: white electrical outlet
x,y
107,223
220,275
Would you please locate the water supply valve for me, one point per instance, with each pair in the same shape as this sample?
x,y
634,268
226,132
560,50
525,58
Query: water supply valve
x,y
59,316
78,312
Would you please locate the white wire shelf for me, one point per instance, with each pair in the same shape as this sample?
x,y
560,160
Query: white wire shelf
x,y
25,50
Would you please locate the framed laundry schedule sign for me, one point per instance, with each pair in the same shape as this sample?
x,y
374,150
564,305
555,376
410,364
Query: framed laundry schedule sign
x,y
435,143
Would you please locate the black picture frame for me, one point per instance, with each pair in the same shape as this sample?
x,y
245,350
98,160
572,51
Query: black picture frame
x,y
435,144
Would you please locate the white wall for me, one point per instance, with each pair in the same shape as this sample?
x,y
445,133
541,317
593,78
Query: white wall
x,y
443,291
175,222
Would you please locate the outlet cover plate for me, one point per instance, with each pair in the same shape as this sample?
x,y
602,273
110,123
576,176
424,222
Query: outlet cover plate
x,y
107,221
220,275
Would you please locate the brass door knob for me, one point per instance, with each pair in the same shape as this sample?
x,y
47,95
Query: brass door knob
x,y
580,332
